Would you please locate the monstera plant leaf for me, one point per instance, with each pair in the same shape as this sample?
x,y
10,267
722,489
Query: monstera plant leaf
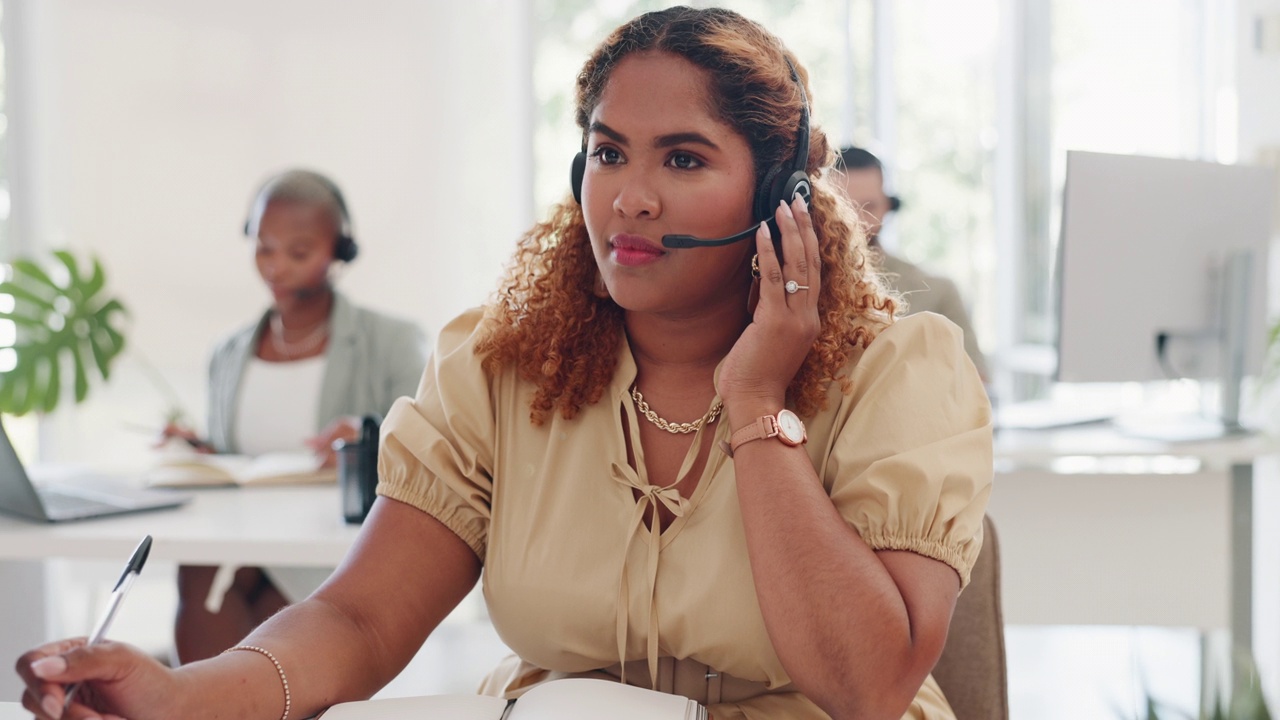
x,y
56,314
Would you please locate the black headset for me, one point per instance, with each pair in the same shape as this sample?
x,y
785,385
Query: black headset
x,y
344,248
781,182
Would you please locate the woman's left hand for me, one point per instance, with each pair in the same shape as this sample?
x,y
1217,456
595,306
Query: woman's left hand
x,y
766,357
344,428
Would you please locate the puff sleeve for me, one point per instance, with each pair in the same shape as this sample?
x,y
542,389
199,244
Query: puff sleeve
x,y
436,450
910,468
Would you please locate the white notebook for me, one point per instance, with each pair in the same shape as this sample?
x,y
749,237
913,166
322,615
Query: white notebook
x,y
195,470
567,699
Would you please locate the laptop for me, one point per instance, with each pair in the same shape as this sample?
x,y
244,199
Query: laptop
x,y
99,497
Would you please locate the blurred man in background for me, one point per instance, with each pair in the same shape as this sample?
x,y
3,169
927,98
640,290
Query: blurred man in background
x,y
862,176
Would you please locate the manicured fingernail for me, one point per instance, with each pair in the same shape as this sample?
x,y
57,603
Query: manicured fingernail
x,y
785,207
51,706
50,666
804,204
765,227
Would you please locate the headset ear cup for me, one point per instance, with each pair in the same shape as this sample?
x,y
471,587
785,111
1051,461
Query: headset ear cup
x,y
768,195
786,188
575,175
345,249
797,185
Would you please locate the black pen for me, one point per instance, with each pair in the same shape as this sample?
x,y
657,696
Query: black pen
x,y
131,571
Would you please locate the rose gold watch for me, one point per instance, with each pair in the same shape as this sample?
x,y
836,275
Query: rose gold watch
x,y
786,426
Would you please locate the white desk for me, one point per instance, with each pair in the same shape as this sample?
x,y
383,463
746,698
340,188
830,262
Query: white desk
x,y
298,526
1098,528
13,711
1039,447
292,526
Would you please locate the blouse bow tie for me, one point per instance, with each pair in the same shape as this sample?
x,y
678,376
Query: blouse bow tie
x,y
650,497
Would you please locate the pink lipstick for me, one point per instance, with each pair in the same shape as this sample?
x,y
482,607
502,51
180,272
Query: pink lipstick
x,y
634,250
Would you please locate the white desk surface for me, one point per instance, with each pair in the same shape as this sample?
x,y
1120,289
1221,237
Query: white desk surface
x,y
295,526
1103,440
13,711
302,526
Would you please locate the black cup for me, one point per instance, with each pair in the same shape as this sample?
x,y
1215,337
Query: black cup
x,y
358,471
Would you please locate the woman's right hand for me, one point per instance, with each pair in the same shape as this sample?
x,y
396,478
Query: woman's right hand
x,y
187,435
117,681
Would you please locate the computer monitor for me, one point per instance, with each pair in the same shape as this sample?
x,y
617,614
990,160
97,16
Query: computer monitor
x,y
1163,271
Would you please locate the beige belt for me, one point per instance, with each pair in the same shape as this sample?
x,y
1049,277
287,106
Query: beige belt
x,y
689,678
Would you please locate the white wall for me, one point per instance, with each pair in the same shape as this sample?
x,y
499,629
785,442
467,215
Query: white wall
x,y
146,125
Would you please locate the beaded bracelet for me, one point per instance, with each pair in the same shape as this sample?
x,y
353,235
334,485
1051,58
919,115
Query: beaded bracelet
x,y
288,700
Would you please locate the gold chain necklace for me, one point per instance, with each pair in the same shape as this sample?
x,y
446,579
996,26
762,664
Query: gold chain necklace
x,y
680,428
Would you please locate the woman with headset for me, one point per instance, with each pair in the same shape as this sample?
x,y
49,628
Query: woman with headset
x,y
299,377
687,457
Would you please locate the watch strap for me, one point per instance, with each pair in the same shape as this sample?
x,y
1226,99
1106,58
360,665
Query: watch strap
x,y
765,426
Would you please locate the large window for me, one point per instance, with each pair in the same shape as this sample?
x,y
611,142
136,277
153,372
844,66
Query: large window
x,y
5,247
21,431
8,331
972,106
942,142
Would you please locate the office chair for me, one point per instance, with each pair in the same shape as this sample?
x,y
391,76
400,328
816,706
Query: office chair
x,y
971,671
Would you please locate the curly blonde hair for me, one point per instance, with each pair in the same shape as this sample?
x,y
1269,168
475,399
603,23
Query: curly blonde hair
x,y
548,321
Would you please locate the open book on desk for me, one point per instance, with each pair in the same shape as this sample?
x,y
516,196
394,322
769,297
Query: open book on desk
x,y
195,470
566,699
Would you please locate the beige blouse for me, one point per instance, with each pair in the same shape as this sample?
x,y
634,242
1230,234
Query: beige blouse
x,y
574,580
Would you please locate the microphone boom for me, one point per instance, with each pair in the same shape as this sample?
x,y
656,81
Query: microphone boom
x,y
689,241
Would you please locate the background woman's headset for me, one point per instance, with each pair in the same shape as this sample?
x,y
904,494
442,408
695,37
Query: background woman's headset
x,y
344,247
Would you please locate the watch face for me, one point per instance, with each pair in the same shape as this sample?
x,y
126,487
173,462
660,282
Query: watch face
x,y
790,427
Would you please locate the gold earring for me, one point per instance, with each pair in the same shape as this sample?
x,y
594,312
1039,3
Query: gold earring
x,y
755,266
